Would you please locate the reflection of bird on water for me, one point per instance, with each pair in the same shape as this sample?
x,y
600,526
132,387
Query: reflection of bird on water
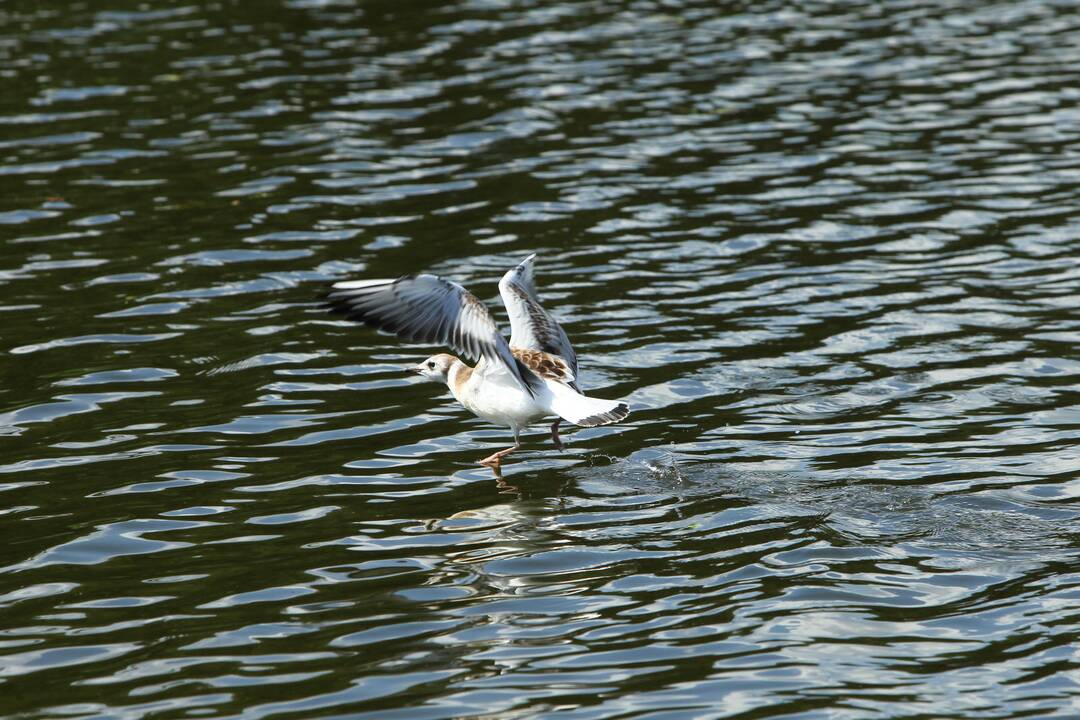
x,y
516,383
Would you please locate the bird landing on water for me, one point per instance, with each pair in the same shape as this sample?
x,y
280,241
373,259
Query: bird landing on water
x,y
515,384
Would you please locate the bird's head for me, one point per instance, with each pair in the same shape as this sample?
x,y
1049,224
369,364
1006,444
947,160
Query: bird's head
x,y
436,367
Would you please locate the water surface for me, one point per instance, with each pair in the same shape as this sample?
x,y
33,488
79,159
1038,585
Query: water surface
x,y
828,253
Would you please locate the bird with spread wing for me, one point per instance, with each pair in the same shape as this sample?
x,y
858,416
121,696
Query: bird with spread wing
x,y
514,383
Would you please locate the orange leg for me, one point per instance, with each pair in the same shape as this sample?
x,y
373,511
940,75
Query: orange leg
x,y
555,435
495,459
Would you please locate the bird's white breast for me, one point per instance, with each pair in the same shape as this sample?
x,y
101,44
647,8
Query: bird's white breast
x,y
495,396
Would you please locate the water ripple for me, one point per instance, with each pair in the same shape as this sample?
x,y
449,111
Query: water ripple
x,y
828,254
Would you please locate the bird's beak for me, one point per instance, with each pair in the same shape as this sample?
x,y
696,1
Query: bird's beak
x,y
413,369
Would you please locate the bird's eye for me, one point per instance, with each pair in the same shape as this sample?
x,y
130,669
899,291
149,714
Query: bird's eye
x,y
431,365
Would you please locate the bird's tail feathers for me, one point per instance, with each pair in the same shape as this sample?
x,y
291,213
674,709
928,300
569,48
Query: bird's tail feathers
x,y
584,410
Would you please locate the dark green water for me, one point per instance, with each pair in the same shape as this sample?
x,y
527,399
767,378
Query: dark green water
x,y
829,252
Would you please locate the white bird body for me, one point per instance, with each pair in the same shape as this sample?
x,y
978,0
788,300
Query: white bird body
x,y
513,384
495,396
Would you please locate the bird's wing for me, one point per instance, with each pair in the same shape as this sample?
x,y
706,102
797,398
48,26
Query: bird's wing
x,y
531,326
429,309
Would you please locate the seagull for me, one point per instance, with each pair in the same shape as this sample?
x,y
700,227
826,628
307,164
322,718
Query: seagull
x,y
513,383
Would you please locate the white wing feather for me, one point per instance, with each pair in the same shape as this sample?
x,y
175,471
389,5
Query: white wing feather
x,y
426,308
531,326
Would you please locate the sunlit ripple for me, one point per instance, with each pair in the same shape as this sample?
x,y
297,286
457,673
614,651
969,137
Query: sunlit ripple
x,y
828,253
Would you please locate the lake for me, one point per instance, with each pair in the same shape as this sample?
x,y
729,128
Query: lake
x,y
829,253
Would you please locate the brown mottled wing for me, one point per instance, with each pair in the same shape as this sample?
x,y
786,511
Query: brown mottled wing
x,y
429,309
546,365
532,327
